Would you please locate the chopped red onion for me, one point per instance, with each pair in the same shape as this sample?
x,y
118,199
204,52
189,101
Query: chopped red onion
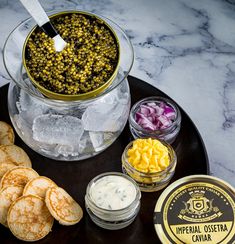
x,y
164,120
146,110
152,116
139,116
146,124
170,115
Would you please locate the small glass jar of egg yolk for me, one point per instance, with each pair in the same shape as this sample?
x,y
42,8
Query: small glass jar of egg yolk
x,y
150,162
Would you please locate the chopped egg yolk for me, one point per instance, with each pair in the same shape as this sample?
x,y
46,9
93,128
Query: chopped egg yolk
x,y
148,155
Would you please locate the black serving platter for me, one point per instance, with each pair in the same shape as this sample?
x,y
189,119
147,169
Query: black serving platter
x,y
74,177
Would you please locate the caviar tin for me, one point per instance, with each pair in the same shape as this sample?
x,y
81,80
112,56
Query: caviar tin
x,y
66,97
196,209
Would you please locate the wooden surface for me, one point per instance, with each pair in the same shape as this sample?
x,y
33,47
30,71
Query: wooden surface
x,y
74,177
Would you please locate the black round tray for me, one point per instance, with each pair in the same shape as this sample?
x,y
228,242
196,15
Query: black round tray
x,y
74,177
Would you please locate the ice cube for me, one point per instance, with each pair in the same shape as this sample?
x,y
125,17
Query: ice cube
x,y
24,129
27,102
66,150
103,117
100,140
29,107
116,96
58,129
110,98
123,94
85,143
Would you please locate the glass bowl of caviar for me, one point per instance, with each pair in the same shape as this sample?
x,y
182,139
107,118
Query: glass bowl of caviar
x,y
67,129
84,68
155,117
150,162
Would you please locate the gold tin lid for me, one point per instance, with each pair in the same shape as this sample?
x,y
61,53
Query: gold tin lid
x,y
82,96
196,209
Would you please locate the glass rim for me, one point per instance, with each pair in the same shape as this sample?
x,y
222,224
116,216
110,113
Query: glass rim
x,y
44,98
133,122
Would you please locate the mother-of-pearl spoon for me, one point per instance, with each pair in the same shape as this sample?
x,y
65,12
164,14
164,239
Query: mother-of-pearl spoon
x,y
37,12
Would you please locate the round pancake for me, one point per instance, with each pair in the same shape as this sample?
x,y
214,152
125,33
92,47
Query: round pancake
x,y
4,167
7,196
28,218
38,186
62,206
18,176
15,155
7,136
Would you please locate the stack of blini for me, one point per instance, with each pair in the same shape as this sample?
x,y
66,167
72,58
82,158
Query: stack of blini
x,y
29,202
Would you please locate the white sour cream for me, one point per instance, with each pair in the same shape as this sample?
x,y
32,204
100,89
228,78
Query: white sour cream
x,y
113,192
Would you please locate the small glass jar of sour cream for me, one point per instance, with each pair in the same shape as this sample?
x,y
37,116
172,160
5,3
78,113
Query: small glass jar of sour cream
x,y
112,200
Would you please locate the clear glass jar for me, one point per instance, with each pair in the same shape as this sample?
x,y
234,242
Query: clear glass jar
x,y
150,182
168,134
116,218
66,130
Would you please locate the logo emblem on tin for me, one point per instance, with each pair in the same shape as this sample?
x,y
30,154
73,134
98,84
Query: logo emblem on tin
x,y
199,207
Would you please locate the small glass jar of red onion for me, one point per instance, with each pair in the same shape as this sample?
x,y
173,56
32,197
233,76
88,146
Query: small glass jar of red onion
x,y
155,117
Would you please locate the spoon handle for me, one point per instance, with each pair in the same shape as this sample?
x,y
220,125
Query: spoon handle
x,y
37,12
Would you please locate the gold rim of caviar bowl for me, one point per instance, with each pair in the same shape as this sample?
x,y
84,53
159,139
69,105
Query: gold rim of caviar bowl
x,y
65,97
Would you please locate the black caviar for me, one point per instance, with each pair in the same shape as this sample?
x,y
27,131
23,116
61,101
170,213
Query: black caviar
x,y
86,63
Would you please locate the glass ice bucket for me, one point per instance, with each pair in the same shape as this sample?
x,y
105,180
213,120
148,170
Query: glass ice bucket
x,y
66,130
